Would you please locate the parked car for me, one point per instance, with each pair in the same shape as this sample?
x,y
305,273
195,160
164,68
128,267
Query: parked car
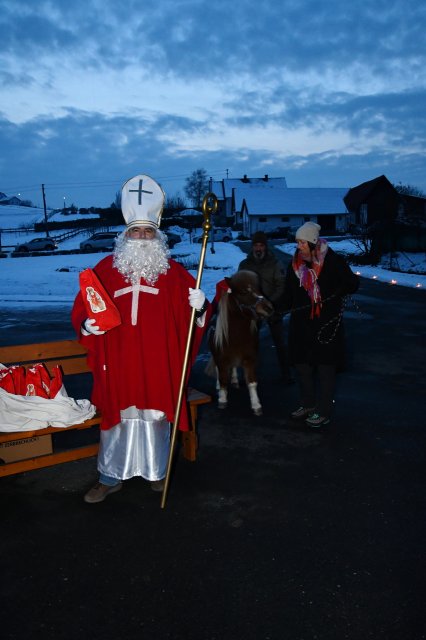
x,y
172,238
221,234
37,244
98,241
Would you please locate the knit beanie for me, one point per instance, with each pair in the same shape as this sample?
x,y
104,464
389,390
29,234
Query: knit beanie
x,y
308,232
259,236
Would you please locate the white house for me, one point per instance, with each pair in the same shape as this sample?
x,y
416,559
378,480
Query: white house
x,y
290,208
225,189
268,204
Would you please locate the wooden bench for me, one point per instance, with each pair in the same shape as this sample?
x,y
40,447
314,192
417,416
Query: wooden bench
x,y
71,356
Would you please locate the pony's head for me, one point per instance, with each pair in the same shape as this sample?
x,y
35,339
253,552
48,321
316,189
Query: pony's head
x,y
245,287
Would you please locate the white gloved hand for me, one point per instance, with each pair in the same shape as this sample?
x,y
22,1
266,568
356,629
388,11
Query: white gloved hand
x,y
89,326
196,298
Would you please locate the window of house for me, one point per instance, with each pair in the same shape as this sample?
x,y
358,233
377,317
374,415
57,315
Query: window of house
x,y
263,219
363,214
306,219
285,218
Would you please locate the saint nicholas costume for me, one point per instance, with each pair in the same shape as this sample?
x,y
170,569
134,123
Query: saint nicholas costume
x,y
137,365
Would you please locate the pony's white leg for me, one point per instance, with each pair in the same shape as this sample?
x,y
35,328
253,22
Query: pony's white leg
x,y
223,398
254,398
234,378
217,380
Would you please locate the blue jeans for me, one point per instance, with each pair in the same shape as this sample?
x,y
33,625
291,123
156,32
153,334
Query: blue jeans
x,y
108,481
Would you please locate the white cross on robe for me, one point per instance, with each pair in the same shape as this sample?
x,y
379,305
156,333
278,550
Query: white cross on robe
x,y
135,289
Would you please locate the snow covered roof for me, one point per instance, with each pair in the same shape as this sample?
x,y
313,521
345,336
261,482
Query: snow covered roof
x,y
223,188
292,200
190,212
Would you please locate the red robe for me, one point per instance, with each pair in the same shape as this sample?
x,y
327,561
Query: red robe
x,y
140,364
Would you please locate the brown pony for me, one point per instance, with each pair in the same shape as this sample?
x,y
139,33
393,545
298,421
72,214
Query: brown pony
x,y
235,340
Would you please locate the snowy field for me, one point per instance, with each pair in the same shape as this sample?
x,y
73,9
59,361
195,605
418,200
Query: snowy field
x,y
54,279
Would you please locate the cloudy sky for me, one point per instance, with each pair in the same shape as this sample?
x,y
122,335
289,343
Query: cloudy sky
x,y
323,92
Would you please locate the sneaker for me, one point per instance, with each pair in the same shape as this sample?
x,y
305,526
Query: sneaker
x,y
302,412
157,485
100,491
315,420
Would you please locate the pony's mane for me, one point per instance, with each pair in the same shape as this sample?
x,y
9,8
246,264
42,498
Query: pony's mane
x,y
222,325
221,333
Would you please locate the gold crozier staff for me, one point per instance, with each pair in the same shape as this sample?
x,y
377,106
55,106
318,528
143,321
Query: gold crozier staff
x,y
209,208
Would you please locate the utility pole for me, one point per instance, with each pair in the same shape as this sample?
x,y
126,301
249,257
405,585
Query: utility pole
x,y
45,212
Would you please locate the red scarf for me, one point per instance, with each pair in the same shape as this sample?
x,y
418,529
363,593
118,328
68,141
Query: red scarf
x,y
308,275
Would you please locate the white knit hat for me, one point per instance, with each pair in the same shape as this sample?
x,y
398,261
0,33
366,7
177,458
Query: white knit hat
x,y
142,202
308,232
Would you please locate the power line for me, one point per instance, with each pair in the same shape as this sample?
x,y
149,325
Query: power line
x,y
98,183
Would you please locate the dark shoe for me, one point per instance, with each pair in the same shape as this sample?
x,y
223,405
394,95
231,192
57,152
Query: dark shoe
x,y
315,421
302,412
100,491
157,485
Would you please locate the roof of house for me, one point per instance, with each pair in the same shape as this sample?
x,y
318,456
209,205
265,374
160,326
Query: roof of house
x,y
190,212
293,200
223,188
360,194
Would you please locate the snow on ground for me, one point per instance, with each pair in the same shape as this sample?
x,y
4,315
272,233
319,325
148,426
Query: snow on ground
x,y
32,281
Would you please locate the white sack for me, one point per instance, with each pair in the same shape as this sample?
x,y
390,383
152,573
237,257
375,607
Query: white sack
x,y
28,413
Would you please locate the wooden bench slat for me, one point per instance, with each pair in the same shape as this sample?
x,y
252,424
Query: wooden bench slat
x,y
9,436
49,460
41,352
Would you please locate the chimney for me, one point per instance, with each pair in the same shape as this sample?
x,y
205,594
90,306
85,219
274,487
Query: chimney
x,y
266,178
245,179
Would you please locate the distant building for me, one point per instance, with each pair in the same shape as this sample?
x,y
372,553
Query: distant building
x,y
13,200
397,221
289,208
378,200
373,201
268,204
225,192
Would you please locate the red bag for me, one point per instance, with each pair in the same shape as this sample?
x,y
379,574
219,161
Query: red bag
x,y
18,374
97,301
57,381
37,381
6,380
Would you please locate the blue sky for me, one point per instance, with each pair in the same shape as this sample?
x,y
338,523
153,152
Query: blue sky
x,y
324,93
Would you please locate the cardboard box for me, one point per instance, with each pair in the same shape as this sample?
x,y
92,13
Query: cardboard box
x,y
25,448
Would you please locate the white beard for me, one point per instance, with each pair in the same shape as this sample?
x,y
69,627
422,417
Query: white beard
x,y
141,258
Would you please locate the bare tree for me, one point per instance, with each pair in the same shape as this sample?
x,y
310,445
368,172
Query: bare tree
x,y
196,186
362,240
117,201
175,203
408,190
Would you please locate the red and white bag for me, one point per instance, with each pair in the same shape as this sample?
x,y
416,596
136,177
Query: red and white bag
x,y
97,301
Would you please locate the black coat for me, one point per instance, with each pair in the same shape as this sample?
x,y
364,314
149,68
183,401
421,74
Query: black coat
x,y
316,341
271,274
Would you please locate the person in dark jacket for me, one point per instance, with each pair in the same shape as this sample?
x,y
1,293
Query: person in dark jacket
x,y
316,282
271,274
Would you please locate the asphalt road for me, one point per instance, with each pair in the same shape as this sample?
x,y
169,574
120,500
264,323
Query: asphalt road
x,y
275,532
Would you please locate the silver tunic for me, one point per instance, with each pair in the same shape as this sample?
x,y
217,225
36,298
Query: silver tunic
x,y
139,445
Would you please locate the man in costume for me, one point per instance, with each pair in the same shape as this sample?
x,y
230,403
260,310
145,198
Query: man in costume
x,y
270,270
137,365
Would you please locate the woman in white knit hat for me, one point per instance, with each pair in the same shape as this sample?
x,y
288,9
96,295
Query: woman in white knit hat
x,y
317,280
